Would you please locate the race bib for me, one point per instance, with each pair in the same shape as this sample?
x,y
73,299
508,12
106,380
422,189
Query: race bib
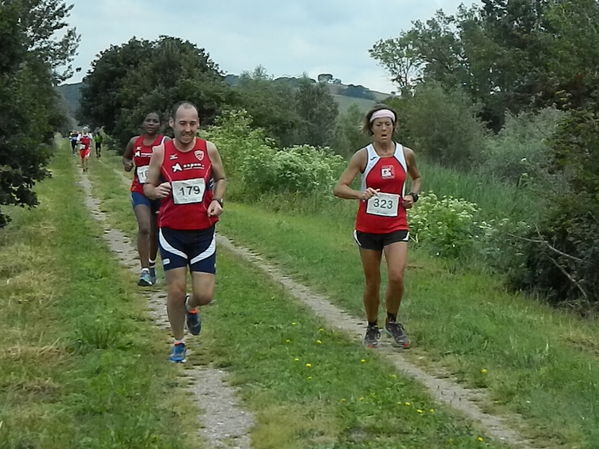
x,y
385,204
188,191
142,173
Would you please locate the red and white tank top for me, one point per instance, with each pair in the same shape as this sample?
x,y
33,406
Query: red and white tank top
x,y
190,176
141,159
383,213
86,141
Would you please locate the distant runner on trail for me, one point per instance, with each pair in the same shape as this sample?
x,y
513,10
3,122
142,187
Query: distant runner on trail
x,y
187,174
74,138
98,139
381,220
85,141
137,154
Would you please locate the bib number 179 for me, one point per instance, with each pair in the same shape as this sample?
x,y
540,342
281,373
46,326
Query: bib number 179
x,y
188,191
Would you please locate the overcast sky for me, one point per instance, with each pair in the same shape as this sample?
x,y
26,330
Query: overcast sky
x,y
287,37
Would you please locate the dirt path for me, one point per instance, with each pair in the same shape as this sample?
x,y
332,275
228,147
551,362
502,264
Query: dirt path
x,y
222,422
443,389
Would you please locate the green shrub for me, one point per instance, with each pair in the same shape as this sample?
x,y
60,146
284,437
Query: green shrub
x,y
562,253
519,152
442,125
256,166
301,168
448,226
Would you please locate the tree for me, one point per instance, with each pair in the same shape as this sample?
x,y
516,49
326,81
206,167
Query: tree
x,y
270,103
101,98
325,78
496,52
441,124
167,70
317,110
30,107
349,135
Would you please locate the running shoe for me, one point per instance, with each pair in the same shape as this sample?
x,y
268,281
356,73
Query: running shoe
x,y
178,353
193,319
371,339
145,279
398,333
153,275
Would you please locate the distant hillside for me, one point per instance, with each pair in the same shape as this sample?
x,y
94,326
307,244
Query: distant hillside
x,y
71,94
344,94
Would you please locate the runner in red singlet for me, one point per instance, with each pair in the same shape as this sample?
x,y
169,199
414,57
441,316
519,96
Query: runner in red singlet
x,y
187,174
381,221
85,149
137,155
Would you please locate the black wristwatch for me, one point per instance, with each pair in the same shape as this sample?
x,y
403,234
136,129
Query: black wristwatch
x,y
414,195
221,202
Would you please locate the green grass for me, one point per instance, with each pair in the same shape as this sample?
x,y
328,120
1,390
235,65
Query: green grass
x,y
495,199
347,398
81,366
539,362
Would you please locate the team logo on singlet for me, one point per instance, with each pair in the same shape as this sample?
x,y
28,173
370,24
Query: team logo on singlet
x,y
199,154
387,172
177,168
172,157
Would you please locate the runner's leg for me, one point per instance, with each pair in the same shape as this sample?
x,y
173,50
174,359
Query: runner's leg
x,y
144,233
396,255
175,303
202,288
371,263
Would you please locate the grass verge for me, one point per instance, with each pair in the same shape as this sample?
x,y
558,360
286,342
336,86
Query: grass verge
x,y
532,360
309,387
81,366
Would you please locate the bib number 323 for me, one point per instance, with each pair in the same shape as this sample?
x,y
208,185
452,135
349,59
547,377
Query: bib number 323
x,y
188,191
385,204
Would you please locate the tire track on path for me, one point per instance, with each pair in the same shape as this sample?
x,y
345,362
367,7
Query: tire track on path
x,y
444,390
222,422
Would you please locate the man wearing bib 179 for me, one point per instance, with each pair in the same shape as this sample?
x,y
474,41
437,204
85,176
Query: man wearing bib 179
x,y
381,221
187,175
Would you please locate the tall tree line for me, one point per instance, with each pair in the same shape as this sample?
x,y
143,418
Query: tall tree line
x,y
127,81
31,112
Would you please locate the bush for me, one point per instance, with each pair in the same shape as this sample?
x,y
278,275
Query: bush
x,y
236,140
562,254
301,168
441,125
519,152
259,167
447,226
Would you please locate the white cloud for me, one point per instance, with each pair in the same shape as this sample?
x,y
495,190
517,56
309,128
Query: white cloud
x,y
287,38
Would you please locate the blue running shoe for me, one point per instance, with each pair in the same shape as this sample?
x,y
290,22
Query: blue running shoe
x,y
152,275
144,278
193,319
178,353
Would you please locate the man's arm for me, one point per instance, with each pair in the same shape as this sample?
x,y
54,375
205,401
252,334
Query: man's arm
x,y
220,181
152,188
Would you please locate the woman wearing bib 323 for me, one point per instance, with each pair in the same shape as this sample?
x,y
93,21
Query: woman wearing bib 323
x,y
381,221
137,155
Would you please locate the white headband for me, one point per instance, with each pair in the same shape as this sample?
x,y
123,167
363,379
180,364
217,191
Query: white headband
x,y
381,113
